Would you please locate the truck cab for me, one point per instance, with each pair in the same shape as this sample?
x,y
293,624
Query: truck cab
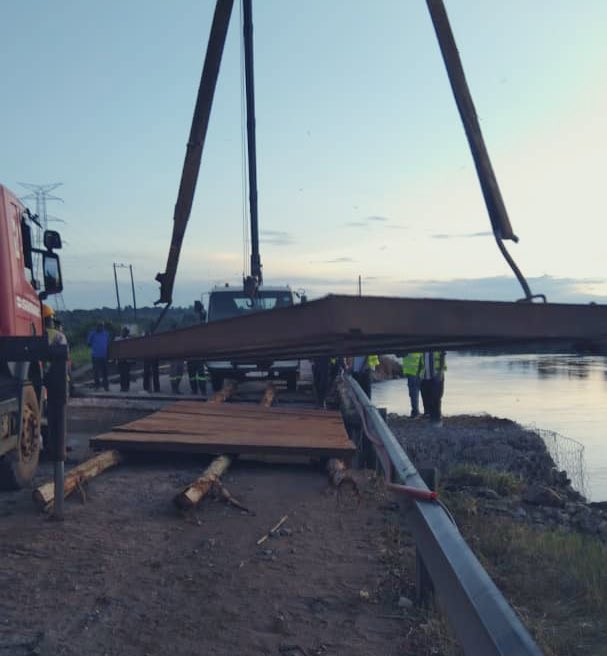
x,y
28,273
227,302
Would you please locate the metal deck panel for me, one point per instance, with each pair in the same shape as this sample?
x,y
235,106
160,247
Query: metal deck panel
x,y
357,325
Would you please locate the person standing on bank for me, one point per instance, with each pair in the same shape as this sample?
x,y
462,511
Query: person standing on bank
x,y
99,341
433,384
412,366
361,367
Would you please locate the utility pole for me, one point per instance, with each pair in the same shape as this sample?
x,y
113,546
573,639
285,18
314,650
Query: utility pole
x,y
360,285
117,292
133,290
130,268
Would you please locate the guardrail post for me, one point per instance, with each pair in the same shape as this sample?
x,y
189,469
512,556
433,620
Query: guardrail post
x,y
424,588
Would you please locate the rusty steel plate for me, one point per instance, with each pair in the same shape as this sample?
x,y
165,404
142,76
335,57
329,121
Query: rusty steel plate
x,y
357,325
233,428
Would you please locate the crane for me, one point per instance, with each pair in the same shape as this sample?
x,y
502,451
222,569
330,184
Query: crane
x,y
195,146
496,209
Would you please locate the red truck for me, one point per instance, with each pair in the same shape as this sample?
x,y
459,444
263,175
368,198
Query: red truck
x,y
22,390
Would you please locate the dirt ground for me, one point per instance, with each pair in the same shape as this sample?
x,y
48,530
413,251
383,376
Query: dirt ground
x,y
126,573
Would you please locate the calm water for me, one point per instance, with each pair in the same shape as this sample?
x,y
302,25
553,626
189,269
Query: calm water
x,y
562,393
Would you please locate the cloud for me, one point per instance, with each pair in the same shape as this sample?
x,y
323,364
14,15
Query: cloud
x,y
276,238
368,221
463,235
93,293
507,288
337,260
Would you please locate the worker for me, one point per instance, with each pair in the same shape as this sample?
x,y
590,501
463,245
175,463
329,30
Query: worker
x,y
197,376
99,341
61,338
175,375
55,336
124,366
361,366
151,372
412,366
432,376
320,378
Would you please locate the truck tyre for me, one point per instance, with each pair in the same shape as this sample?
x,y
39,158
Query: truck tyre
x,y
292,381
17,468
217,382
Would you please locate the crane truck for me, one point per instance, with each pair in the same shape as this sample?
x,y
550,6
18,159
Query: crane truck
x,y
22,356
227,302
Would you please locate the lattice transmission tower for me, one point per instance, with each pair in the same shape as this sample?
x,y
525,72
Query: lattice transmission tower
x,y
42,194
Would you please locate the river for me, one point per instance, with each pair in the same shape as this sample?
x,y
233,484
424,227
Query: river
x,y
562,393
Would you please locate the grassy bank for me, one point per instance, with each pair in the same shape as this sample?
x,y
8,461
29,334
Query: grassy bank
x,y
556,580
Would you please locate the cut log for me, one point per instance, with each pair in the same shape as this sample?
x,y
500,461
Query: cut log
x,y
224,394
191,495
339,474
74,479
268,396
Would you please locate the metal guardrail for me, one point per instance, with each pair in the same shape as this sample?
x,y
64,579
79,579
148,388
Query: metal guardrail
x,y
482,619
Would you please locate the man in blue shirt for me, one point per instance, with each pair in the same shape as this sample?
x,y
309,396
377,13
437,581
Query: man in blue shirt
x,y
99,341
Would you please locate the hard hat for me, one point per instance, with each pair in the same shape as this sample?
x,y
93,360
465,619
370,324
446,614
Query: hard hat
x,y
47,311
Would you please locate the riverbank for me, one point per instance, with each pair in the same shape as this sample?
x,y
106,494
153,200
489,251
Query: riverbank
x,y
541,541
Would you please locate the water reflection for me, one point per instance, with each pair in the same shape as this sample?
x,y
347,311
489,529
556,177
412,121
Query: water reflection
x,y
565,366
563,393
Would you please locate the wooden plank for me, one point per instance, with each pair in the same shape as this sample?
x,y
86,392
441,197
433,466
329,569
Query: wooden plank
x,y
197,408
235,428
219,431
276,445
177,423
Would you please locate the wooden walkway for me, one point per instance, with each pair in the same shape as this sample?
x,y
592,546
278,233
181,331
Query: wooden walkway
x,y
194,427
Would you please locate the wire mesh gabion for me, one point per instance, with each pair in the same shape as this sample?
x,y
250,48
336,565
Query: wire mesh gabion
x,y
568,455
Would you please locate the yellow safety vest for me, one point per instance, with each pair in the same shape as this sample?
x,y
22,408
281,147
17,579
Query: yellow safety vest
x,y
412,364
440,366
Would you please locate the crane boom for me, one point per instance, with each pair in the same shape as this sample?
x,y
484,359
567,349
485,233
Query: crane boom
x,y
252,282
198,131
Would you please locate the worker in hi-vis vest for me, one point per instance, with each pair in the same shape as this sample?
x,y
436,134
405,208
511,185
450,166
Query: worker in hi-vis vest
x,y
412,367
433,384
361,366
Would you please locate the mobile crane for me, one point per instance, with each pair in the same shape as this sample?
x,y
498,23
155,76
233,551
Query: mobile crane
x,y
227,302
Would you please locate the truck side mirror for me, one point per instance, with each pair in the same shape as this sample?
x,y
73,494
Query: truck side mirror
x,y
53,283
52,240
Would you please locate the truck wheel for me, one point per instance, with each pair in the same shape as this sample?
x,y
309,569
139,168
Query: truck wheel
x,y
217,382
17,468
292,381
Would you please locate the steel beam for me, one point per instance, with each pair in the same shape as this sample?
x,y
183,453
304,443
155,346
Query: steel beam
x,y
350,325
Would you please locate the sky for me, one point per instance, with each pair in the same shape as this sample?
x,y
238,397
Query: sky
x,y
363,165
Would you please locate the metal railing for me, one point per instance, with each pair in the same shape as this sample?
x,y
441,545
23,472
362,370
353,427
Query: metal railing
x,y
482,619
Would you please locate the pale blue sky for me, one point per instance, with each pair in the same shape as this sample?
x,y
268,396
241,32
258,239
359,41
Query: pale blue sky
x,y
362,160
